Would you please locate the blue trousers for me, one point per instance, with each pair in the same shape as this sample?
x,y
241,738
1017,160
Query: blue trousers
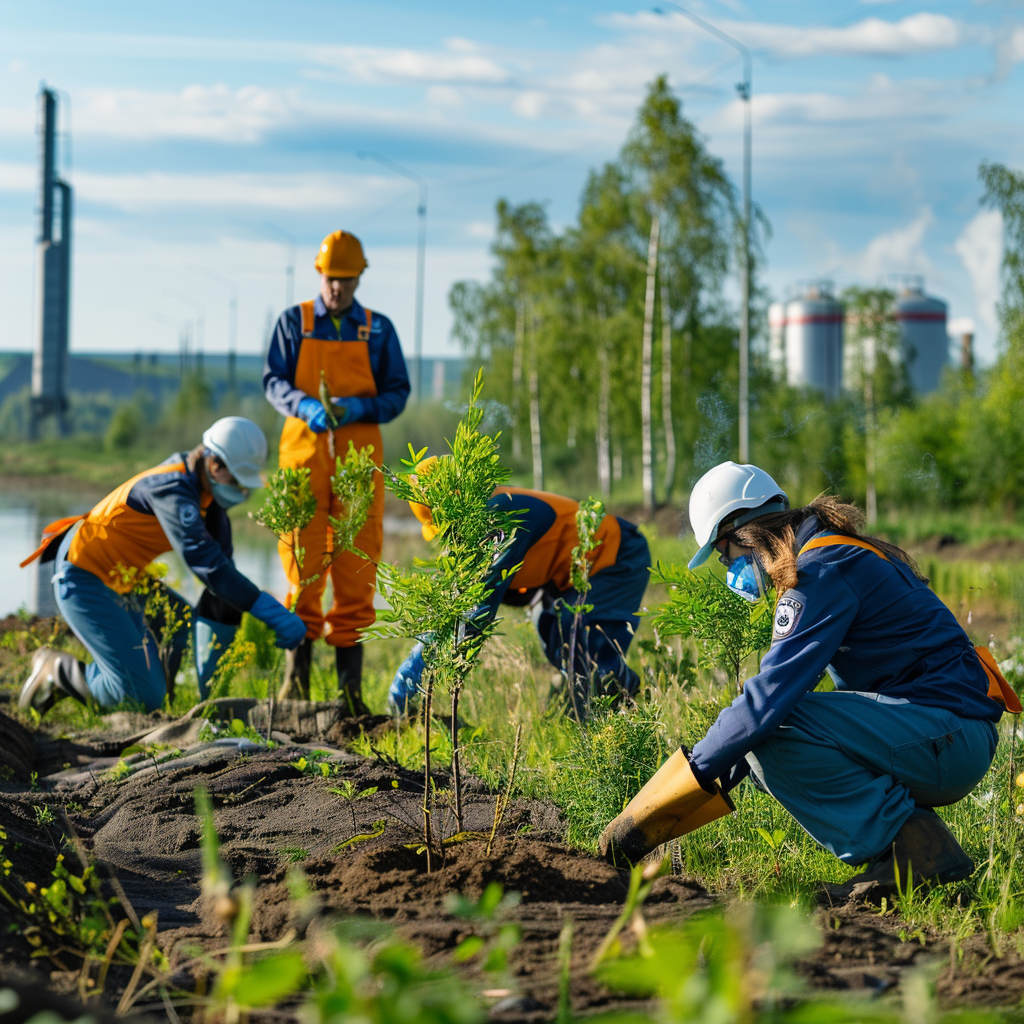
x,y
606,631
126,664
851,767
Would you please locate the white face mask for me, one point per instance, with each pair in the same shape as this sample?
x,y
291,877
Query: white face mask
x,y
228,495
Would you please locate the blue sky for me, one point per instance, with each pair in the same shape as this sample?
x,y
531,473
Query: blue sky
x,y
194,126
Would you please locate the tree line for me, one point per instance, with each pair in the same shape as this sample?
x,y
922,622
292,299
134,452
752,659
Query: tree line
x,y
614,351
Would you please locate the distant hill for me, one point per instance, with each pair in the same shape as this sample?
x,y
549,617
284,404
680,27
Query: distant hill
x,y
159,374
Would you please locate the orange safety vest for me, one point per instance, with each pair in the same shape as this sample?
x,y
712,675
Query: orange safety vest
x,y
114,536
346,368
999,689
549,558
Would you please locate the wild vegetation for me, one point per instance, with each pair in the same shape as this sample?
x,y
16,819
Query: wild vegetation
x,y
654,240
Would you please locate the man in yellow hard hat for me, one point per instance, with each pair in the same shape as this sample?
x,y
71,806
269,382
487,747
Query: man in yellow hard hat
x,y
333,343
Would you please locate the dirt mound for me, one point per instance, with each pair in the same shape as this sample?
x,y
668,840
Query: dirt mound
x,y
396,876
17,750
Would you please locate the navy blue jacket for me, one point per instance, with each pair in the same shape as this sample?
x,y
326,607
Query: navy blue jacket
x,y
534,517
873,626
202,541
386,360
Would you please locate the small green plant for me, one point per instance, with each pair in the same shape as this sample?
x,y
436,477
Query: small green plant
x,y
606,763
235,729
701,607
316,763
290,505
43,814
589,515
438,602
773,840
166,616
119,771
70,919
492,939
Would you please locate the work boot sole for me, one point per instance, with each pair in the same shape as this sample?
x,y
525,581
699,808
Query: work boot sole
x,y
874,891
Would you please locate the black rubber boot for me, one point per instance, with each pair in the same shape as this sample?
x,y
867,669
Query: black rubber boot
x,y
350,679
924,851
296,672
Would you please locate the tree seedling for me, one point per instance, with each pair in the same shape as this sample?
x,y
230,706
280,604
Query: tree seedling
x,y
437,600
725,628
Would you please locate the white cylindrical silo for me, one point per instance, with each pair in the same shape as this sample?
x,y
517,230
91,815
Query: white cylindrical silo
x,y
923,338
814,340
777,339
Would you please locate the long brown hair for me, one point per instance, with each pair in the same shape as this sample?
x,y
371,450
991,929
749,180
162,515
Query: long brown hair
x,y
773,537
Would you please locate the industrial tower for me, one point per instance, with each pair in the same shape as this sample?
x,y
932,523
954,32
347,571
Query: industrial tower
x,y
53,279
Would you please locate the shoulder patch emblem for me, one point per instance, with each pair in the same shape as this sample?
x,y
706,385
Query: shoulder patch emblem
x,y
787,612
189,514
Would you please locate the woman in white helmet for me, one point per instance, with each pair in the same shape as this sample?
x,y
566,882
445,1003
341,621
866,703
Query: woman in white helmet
x,y
909,727
181,505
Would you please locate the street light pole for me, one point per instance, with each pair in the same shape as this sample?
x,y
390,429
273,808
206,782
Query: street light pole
x,y
421,252
274,229
232,319
745,90
200,322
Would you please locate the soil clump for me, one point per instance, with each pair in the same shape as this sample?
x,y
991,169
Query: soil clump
x,y
356,833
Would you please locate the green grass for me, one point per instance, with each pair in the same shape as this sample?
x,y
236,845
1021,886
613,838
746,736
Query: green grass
x,y
591,773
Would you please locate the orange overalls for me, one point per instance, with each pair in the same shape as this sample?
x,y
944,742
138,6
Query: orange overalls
x,y
549,558
346,368
114,539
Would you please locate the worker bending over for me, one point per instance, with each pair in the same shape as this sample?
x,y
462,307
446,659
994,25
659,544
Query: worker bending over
x,y
99,558
909,727
542,546
332,347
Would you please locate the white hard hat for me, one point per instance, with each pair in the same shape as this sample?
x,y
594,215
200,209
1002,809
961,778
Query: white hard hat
x,y
241,446
729,488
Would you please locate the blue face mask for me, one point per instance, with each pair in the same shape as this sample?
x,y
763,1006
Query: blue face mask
x,y
745,577
228,495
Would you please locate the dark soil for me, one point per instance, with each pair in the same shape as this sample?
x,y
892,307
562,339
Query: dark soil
x,y
361,856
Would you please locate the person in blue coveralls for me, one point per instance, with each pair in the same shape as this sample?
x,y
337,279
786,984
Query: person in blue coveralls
x,y
910,725
542,546
98,557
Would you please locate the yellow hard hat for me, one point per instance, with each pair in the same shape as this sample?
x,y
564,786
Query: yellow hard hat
x,y
340,255
422,512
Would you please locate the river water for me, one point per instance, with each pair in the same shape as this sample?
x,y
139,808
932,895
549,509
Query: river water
x,y
24,513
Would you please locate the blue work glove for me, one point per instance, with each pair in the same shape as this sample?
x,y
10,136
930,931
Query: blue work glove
x,y
313,413
290,629
348,410
405,687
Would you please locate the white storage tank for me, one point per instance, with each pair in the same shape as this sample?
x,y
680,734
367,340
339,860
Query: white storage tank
x,y
923,337
814,339
777,339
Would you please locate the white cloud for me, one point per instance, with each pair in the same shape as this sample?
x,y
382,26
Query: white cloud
x,y
898,251
138,192
980,248
17,177
924,32
15,67
463,64
1010,50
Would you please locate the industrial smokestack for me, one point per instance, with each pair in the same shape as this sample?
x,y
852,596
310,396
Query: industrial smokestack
x,y
53,279
967,352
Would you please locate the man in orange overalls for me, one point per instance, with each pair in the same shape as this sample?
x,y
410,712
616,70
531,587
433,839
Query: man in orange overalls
x,y
355,352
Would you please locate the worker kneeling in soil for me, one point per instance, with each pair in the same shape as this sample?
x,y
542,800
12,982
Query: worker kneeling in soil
x,y
181,505
542,546
909,727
